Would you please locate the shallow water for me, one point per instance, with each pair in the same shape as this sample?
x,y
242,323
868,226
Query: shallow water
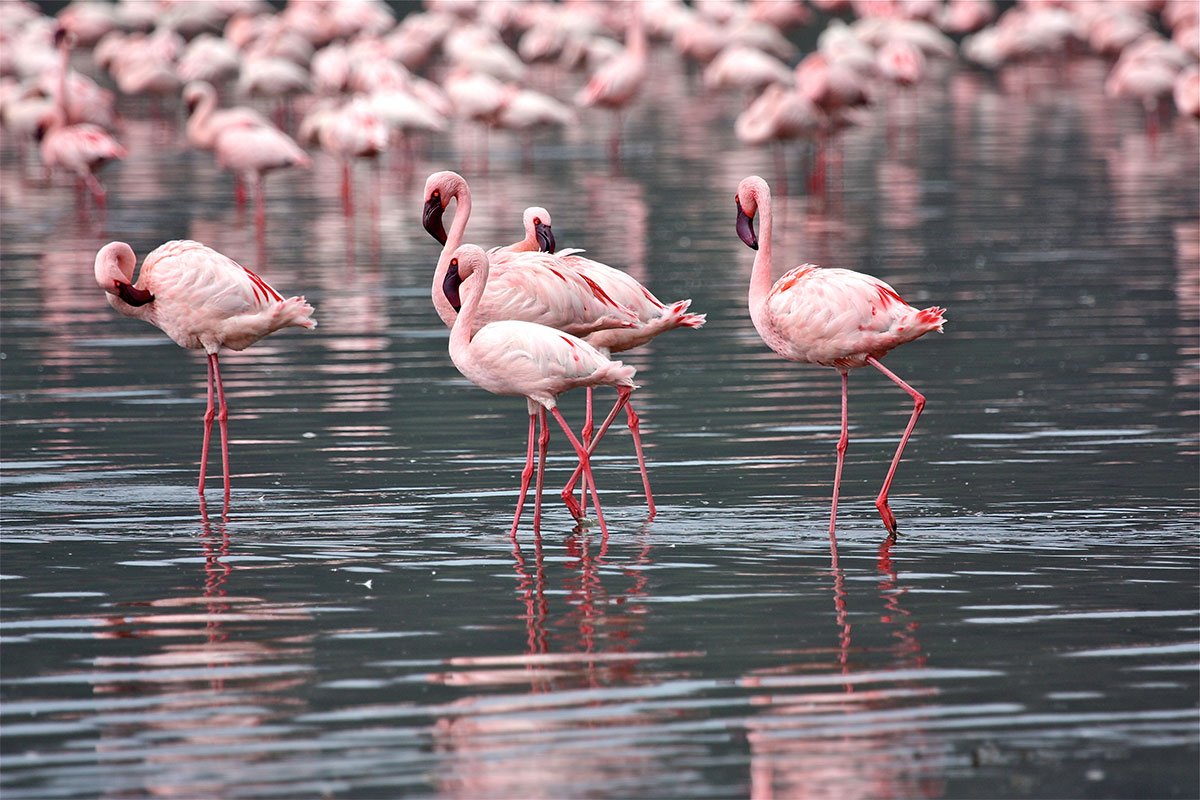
x,y
359,623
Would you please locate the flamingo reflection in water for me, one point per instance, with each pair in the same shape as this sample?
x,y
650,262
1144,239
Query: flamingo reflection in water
x,y
213,670
815,741
579,642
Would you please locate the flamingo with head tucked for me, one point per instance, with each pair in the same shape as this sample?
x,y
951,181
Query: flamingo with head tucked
x,y
523,359
831,317
203,300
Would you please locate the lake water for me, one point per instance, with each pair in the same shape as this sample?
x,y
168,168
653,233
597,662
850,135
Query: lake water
x,y
359,623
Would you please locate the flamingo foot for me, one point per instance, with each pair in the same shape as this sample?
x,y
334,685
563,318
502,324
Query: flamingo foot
x,y
889,519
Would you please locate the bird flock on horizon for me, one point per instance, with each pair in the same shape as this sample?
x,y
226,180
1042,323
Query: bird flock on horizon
x,y
530,319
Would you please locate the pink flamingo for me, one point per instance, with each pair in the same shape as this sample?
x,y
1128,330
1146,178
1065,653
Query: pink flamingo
x,y
616,83
81,149
539,237
653,318
349,132
251,152
832,317
203,300
524,359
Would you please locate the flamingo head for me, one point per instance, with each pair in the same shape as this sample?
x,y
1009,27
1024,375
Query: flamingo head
x,y
114,273
538,219
439,188
745,224
466,261
193,93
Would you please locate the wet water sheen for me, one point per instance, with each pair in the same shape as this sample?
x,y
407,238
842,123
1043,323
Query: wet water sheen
x,y
359,623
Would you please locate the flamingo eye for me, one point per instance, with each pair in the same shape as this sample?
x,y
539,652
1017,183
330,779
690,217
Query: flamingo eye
x,y
436,194
454,262
537,220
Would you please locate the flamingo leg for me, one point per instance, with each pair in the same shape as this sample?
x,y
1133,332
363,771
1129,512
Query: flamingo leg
x,y
526,474
881,502
635,428
223,420
260,203
209,414
347,202
585,463
843,442
543,445
586,433
97,188
568,492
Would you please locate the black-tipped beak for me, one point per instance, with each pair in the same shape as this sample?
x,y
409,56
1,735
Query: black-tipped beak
x,y
450,286
431,218
131,294
745,228
545,237
191,106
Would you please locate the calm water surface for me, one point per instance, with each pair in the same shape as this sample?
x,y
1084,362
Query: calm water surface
x,y
360,625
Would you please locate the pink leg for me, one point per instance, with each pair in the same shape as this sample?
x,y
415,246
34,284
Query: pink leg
x,y
97,188
635,428
568,491
586,432
222,418
209,413
347,202
881,502
843,441
543,445
239,191
526,474
585,463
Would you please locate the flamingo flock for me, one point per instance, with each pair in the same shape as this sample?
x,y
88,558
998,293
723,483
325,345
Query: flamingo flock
x,y
262,90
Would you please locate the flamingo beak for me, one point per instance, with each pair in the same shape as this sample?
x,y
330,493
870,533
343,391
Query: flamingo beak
x,y
431,219
131,295
545,237
450,286
745,228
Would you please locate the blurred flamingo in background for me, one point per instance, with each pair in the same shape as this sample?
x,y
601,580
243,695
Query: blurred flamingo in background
x,y
203,300
524,359
252,152
831,317
617,82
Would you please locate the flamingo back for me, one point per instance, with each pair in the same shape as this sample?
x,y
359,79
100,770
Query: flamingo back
x,y
838,317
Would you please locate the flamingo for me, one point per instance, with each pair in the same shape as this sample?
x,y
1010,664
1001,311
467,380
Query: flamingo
x,y
203,300
524,359
539,237
653,318
81,149
831,317
251,152
617,81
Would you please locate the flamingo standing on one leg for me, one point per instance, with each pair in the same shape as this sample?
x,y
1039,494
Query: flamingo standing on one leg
x,y
524,359
832,317
81,149
653,317
203,300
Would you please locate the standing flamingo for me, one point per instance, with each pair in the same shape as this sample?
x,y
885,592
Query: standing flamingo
x,y
832,317
81,149
653,317
251,152
203,300
524,359
616,83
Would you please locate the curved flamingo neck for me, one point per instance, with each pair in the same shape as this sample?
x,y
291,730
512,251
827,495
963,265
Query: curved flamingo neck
x,y
201,118
462,196
64,65
463,329
760,276
635,36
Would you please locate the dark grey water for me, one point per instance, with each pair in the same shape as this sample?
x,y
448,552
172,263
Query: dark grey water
x,y
360,625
